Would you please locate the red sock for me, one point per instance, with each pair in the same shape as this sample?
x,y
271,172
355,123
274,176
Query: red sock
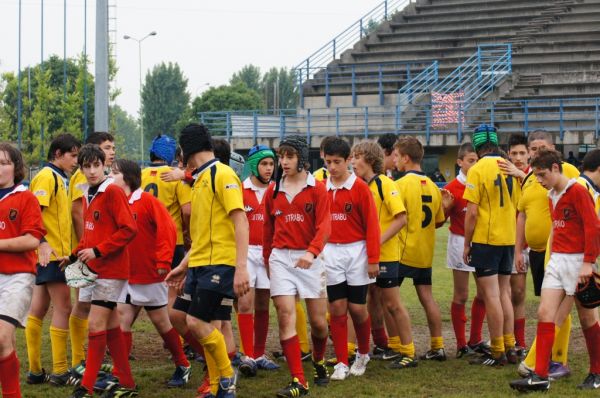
x,y
261,328
95,355
246,326
520,332
459,322
477,318
9,376
363,336
195,344
545,339
291,350
339,334
116,345
592,341
128,337
319,346
231,354
380,337
173,343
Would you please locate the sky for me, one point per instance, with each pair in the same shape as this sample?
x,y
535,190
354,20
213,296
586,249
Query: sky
x,y
210,40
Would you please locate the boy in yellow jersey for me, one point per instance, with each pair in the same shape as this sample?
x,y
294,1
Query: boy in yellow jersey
x,y
489,241
590,176
322,174
78,324
423,202
367,163
218,256
533,228
50,188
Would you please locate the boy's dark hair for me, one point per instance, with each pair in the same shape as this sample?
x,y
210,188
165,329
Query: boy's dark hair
x,y
89,153
517,139
540,135
464,150
591,160
545,159
325,140
16,158
63,143
132,174
386,142
195,138
98,137
337,147
408,145
222,150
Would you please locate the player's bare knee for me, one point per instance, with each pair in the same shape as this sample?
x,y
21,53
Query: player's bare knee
x,y
6,339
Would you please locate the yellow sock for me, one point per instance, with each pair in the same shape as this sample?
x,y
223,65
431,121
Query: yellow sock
x,y
509,341
394,343
78,329
560,349
214,343
58,342
33,336
530,359
408,349
213,372
437,343
301,328
351,349
497,346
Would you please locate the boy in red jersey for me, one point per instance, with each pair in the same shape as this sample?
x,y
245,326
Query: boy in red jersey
x,y
253,308
21,230
297,225
574,250
108,228
455,208
146,287
351,257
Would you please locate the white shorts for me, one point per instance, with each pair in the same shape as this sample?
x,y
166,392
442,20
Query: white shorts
x,y
16,291
151,294
256,268
347,262
525,261
288,280
454,253
102,290
562,272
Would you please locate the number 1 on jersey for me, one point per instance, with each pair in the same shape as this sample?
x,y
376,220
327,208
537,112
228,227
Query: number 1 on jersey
x,y
498,183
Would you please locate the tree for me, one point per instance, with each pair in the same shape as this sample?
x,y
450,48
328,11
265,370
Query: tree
x,y
126,132
164,99
227,98
250,76
280,85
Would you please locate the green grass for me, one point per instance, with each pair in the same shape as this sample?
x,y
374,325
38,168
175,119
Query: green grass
x,y
453,378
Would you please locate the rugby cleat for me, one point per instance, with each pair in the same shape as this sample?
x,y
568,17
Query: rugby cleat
x,y
531,383
321,376
591,382
465,352
481,348
248,366
359,366
557,370
340,372
512,356
80,392
226,387
489,360
37,378
106,382
434,355
378,352
293,390
59,380
118,391
265,363
523,370
180,377
404,362
390,354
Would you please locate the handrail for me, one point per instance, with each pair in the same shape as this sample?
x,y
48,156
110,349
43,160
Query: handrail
x,y
346,39
419,84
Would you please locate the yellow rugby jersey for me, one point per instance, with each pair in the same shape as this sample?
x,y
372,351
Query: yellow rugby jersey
x,y
321,174
389,205
496,196
50,188
172,194
423,202
216,192
592,189
77,185
534,203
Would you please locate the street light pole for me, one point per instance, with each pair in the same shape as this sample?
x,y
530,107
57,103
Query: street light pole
x,y
139,42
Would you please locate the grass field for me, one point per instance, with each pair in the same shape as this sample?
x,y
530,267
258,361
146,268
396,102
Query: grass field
x,y
453,378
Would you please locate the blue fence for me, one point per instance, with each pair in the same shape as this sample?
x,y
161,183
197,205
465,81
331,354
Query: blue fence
x,y
511,116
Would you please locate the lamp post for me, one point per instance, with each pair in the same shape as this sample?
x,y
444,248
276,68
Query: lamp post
x,y
139,42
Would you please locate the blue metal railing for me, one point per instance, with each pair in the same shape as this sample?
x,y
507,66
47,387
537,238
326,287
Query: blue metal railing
x,y
421,83
355,32
511,116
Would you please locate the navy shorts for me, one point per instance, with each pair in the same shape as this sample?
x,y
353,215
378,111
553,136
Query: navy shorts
x,y
388,274
420,276
49,273
491,260
211,289
178,255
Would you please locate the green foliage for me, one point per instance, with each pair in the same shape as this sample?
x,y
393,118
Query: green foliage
x,y
227,98
250,76
127,133
164,99
280,89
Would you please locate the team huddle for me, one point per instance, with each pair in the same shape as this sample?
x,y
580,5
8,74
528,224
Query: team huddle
x,y
191,242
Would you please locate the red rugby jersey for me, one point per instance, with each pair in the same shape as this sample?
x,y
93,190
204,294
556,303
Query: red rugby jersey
x,y
255,211
575,225
459,207
108,225
20,214
354,215
153,246
300,223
